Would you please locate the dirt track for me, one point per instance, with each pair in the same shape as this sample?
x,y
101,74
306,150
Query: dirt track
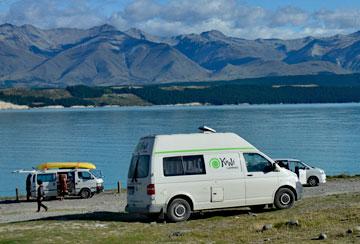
x,y
111,202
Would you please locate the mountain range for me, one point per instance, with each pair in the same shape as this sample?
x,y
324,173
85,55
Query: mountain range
x,y
104,55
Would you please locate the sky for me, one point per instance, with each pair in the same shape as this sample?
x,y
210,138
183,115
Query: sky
x,y
245,19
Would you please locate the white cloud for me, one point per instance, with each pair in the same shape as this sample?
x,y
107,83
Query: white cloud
x,y
174,17
289,16
53,13
338,19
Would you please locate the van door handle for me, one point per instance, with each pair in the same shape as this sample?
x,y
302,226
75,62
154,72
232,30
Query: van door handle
x,y
250,175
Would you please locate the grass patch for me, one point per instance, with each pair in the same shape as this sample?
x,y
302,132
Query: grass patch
x,y
332,215
120,100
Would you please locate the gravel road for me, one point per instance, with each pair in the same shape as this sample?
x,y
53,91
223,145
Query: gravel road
x,y
114,203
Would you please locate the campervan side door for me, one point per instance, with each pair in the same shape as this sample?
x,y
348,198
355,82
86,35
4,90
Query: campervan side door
x,y
49,183
83,179
261,180
227,188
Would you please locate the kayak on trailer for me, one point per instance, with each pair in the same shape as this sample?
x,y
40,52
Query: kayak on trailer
x,y
66,165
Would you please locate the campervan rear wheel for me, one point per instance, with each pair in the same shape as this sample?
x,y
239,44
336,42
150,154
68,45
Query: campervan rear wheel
x,y
284,198
85,193
179,210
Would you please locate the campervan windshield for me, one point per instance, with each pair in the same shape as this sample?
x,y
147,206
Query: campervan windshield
x,y
97,173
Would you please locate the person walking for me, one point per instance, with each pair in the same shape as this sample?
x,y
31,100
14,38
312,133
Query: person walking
x,y
40,196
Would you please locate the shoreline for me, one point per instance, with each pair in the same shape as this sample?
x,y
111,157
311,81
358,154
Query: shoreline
x,y
16,107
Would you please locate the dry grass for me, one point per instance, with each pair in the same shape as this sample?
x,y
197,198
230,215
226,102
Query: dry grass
x,y
332,215
343,176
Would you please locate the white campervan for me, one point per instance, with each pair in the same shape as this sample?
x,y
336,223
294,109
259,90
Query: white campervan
x,y
181,173
81,182
64,178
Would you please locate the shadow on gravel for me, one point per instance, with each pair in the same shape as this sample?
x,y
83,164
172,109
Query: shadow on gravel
x,y
14,201
100,216
227,213
127,217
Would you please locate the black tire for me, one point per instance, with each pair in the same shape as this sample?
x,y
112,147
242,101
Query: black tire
x,y
313,181
257,208
178,210
85,193
284,198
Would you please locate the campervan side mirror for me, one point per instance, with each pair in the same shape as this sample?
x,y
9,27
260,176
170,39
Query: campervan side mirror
x,y
275,167
270,167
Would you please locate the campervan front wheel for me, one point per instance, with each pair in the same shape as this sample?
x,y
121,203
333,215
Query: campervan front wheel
x,y
85,193
284,198
179,210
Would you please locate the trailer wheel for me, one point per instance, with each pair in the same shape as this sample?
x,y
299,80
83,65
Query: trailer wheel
x,y
284,198
85,193
179,210
313,181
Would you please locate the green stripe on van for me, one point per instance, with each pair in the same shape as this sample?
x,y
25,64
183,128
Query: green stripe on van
x,y
206,150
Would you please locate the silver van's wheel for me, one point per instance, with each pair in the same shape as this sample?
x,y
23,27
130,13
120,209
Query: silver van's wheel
x,y
313,181
85,193
179,210
284,198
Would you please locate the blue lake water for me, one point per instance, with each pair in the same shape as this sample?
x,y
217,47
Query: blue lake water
x,y
324,135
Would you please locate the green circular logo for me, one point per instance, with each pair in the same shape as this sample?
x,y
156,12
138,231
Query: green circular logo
x,y
215,163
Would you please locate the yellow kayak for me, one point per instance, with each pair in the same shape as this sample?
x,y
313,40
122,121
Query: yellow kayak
x,y
66,165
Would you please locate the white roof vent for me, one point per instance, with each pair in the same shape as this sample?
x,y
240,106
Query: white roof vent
x,y
206,129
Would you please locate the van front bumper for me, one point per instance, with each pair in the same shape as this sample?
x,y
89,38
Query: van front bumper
x,y
322,179
152,208
99,188
299,190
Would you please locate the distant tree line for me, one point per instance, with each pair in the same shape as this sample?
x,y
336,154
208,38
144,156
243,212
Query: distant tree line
x,y
328,89
237,94
82,91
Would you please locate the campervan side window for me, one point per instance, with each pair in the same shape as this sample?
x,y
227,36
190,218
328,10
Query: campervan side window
x,y
84,175
184,165
46,177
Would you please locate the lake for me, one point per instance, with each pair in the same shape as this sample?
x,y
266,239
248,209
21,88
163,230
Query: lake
x,y
324,135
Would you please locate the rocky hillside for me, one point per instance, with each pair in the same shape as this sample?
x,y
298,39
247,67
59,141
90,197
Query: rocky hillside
x,y
103,55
